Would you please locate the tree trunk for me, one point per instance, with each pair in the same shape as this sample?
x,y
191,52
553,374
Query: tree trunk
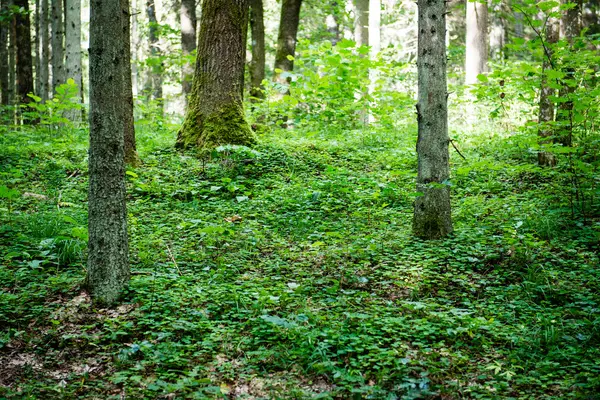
x,y
130,149
361,22
333,23
257,66
432,217
570,28
215,114
4,34
73,51
187,15
154,82
497,33
476,42
134,48
43,71
108,267
24,55
12,60
286,39
546,115
58,53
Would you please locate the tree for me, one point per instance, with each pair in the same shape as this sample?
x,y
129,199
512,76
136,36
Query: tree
x,y
187,16
130,148
215,115
286,39
73,50
108,267
257,66
432,218
24,55
361,22
43,71
4,35
153,85
546,113
476,42
58,52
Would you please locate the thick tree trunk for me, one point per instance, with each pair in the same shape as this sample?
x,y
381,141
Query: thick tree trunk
x,y
546,115
4,34
108,267
73,50
43,71
24,54
187,16
476,42
432,217
361,22
257,66
154,81
130,148
570,28
215,114
286,39
58,52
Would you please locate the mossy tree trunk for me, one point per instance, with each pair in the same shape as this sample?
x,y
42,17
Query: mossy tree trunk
x,y
257,66
286,39
215,114
432,219
108,267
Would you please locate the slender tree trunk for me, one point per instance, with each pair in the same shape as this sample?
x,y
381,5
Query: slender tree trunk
x,y
134,48
432,217
187,15
286,39
215,114
546,116
73,51
4,35
375,43
154,83
58,53
24,53
12,60
570,28
43,71
476,43
333,24
497,33
130,148
361,22
108,266
257,66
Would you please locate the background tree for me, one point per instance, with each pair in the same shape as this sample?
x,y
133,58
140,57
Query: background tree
x,y
286,39
73,51
5,21
43,70
153,87
215,114
361,22
58,52
130,148
187,17
108,267
432,217
476,42
547,91
24,54
257,65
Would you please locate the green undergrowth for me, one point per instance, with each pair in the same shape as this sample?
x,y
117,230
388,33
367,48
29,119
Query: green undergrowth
x,y
289,271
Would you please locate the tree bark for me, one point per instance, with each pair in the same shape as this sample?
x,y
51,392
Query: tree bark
x,y
4,35
108,266
286,39
73,51
24,54
432,217
43,71
130,149
187,16
546,114
215,114
58,53
12,60
154,81
361,22
476,42
497,33
257,66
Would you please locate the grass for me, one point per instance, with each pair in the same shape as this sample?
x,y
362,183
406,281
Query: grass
x,y
291,272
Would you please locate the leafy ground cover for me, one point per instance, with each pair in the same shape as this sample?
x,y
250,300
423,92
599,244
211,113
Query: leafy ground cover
x,y
289,271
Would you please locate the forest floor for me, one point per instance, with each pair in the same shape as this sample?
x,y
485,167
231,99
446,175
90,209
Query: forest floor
x,y
290,271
